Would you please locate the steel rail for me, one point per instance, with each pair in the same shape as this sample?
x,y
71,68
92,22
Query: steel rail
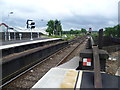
x,y
6,83
69,53
32,67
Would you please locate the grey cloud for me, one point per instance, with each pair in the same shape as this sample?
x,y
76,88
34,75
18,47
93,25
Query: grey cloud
x,y
70,17
87,21
76,22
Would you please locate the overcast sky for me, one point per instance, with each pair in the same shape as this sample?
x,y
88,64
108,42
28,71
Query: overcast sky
x,y
75,14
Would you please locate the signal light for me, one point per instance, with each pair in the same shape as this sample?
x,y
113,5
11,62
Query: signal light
x,y
32,27
30,24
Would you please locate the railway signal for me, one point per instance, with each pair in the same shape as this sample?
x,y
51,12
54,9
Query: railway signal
x,y
31,25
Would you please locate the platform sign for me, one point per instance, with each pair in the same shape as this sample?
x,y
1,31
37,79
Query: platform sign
x,y
86,61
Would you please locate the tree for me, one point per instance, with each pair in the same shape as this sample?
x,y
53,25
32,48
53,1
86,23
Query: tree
x,y
58,27
71,31
50,28
117,30
54,27
113,31
109,31
75,31
83,30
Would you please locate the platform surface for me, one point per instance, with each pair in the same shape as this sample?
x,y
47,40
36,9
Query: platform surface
x,y
26,43
52,79
20,41
55,76
72,64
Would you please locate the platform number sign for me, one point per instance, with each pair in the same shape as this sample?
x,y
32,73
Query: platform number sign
x,y
86,61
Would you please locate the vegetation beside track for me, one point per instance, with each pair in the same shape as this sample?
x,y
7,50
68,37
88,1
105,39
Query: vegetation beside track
x,y
64,37
112,31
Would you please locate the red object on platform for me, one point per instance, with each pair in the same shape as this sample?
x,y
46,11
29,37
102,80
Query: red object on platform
x,y
87,61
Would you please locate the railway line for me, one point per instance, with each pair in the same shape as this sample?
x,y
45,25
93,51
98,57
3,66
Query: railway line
x,y
80,55
30,76
89,73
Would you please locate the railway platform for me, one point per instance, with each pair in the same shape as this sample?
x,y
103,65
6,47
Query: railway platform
x,y
72,64
20,46
90,69
19,41
18,57
11,44
56,78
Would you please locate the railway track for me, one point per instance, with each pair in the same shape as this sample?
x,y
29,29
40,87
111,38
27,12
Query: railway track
x,y
30,76
62,61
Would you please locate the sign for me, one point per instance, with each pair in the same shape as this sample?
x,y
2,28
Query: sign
x,y
86,61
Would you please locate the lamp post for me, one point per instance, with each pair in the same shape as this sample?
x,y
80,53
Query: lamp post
x,y
8,26
31,35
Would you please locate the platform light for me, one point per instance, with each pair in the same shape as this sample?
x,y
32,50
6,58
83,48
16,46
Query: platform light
x,y
9,38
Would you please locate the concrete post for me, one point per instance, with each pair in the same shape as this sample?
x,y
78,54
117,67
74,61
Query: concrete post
x,y
31,35
9,36
38,35
14,36
20,35
5,36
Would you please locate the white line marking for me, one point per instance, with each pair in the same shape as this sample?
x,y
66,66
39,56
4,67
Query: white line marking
x,y
25,43
79,80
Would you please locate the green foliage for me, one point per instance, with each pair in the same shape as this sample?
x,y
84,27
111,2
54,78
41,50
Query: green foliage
x,y
113,31
75,31
58,27
68,37
94,35
117,28
54,27
50,27
83,30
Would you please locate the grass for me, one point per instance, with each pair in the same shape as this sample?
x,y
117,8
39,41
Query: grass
x,y
65,37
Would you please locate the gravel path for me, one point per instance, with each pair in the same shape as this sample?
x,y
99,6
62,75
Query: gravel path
x,y
113,65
